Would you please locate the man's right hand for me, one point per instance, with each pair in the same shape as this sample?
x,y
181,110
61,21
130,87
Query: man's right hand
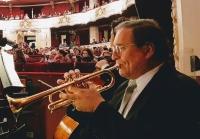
x,y
102,64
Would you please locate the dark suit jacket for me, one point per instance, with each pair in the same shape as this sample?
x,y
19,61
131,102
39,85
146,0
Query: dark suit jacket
x,y
167,108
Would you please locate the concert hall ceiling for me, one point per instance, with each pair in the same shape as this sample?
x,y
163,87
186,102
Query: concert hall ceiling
x,y
29,2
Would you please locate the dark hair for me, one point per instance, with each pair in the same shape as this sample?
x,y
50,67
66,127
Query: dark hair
x,y
62,52
76,48
90,53
148,31
3,42
105,48
117,22
33,45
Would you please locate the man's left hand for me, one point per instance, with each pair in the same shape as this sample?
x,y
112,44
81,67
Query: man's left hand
x,y
84,99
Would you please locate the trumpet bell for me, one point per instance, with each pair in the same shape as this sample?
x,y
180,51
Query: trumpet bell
x,y
16,105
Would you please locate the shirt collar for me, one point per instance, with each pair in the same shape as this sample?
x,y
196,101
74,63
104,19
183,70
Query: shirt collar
x,y
143,80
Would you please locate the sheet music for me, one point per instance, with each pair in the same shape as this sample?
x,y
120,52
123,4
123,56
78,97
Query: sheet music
x,y
8,74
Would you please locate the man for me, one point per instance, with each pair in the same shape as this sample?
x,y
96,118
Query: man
x,y
164,103
63,45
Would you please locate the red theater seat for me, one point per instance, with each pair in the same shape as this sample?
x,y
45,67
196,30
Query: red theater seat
x,y
85,67
35,67
19,67
34,58
60,67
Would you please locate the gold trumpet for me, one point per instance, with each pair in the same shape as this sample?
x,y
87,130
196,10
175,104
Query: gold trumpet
x,y
17,104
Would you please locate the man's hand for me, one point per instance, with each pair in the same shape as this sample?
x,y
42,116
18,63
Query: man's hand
x,y
102,64
85,100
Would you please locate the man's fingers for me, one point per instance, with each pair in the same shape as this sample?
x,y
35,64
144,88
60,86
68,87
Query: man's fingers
x,y
69,96
92,85
72,97
60,81
66,76
62,95
98,87
73,89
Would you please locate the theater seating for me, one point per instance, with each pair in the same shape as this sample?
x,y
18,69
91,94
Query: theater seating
x,y
37,67
85,67
34,58
60,67
55,67
19,67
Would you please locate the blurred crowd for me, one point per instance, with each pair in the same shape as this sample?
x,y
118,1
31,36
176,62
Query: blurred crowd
x,y
84,8
24,53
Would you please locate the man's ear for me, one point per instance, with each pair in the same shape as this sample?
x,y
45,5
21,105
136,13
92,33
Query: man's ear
x,y
149,50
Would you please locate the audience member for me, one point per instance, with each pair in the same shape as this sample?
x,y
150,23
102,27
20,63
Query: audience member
x,y
87,55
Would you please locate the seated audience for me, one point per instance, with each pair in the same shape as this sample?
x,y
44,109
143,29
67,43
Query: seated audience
x,y
77,55
60,57
87,55
106,55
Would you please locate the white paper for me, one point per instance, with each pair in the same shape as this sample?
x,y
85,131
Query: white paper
x,y
8,74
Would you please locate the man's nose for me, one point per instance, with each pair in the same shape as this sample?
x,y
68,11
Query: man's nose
x,y
115,56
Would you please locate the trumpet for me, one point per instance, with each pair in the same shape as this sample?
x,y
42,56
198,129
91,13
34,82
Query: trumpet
x,y
17,104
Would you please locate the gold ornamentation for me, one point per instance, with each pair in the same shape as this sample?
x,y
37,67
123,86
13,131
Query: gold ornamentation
x,y
100,12
25,24
175,33
64,19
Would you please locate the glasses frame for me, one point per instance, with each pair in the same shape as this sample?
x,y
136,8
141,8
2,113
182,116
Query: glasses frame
x,y
118,49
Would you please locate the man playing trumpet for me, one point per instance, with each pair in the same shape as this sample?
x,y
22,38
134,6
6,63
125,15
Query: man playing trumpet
x,y
157,102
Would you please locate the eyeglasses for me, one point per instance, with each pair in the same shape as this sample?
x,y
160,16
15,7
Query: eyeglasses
x,y
119,49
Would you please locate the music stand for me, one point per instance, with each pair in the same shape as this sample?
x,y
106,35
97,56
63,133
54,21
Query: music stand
x,y
8,75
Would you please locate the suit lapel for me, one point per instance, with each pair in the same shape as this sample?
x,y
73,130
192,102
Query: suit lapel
x,y
152,87
140,102
119,93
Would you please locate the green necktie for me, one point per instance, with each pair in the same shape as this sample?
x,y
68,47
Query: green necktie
x,y
127,95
